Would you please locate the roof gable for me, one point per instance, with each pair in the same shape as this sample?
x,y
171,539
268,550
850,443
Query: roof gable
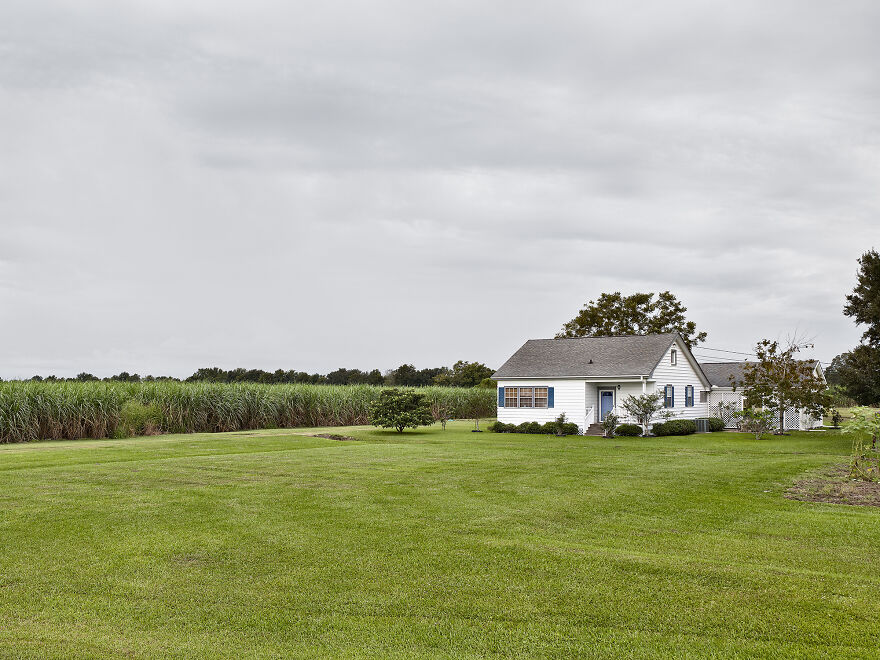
x,y
634,355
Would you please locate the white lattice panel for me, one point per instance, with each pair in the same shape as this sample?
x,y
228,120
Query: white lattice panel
x,y
792,418
730,402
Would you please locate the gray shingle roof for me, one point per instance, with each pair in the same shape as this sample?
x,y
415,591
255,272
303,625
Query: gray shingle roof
x,y
635,355
719,373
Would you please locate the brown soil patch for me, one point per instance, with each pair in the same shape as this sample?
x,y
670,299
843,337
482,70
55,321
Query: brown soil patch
x,y
835,486
332,436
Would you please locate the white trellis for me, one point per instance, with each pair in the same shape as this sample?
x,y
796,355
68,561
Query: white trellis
x,y
723,404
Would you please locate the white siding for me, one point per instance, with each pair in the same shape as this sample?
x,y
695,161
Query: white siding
x,y
626,390
679,376
568,399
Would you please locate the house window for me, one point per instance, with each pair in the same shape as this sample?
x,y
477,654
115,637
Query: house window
x,y
673,357
704,396
511,394
526,397
669,396
689,396
540,397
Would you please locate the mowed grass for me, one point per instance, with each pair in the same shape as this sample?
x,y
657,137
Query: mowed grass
x,y
431,544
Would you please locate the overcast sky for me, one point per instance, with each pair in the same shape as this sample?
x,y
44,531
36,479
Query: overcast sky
x,y
362,184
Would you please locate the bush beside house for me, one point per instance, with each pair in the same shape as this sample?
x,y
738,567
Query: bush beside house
x,y
675,427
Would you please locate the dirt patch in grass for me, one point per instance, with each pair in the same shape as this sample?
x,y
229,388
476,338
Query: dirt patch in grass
x,y
332,436
835,486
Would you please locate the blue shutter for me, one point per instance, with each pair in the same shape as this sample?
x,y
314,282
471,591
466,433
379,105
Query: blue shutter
x,y
549,397
500,397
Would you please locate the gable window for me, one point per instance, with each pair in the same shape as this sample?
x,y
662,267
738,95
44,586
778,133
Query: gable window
x,y
669,396
673,357
511,396
689,396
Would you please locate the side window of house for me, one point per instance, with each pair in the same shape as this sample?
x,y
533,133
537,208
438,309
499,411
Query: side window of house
x,y
540,397
510,397
704,396
689,396
525,397
673,357
669,396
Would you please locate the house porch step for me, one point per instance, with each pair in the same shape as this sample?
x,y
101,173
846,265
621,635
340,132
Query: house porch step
x,y
594,429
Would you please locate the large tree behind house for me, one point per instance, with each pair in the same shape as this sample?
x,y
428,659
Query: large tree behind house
x,y
614,314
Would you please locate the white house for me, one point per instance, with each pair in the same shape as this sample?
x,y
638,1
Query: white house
x,y
588,377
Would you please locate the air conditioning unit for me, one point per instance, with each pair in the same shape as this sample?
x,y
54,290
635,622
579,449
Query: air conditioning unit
x,y
702,425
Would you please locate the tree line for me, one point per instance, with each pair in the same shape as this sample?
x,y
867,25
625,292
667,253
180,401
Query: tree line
x,y
461,374
856,373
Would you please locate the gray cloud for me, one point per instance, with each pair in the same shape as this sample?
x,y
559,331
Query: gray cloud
x,y
362,185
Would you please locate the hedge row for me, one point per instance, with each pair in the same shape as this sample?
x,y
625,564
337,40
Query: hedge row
x,y
536,428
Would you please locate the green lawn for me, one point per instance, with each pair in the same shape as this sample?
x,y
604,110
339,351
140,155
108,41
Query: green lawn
x,y
431,544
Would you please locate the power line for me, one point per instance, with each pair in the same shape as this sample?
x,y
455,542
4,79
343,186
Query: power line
x,y
722,350
726,350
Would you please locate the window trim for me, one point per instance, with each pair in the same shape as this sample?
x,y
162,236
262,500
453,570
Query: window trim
x,y
673,357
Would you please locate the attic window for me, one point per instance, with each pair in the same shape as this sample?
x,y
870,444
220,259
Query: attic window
x,y
673,357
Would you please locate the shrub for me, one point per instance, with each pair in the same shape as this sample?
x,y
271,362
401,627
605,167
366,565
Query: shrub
x,y
501,427
756,420
675,427
534,428
609,424
569,428
138,419
400,409
560,427
628,430
557,427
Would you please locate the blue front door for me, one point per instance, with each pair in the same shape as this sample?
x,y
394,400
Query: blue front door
x,y
606,403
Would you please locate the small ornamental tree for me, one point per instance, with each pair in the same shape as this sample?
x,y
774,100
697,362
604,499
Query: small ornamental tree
x,y
400,409
755,420
609,424
643,408
777,380
863,424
